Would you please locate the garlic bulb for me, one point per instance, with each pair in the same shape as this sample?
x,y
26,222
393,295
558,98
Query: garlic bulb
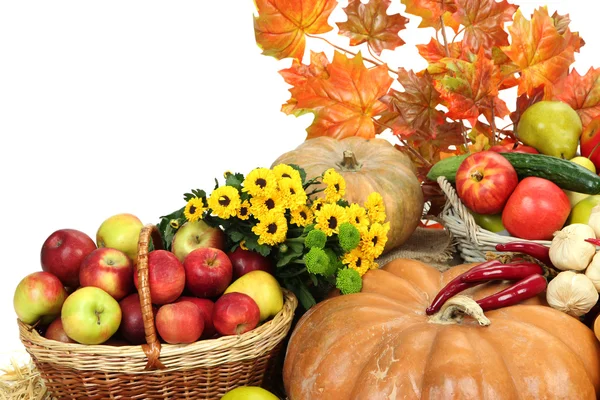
x,y
593,271
572,293
594,220
569,250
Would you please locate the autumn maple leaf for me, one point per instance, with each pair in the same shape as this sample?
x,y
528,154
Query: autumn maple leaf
x,y
582,93
432,12
434,51
298,75
541,53
281,25
370,23
346,101
483,22
470,89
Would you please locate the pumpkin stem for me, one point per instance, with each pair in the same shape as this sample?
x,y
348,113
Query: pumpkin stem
x,y
455,308
349,162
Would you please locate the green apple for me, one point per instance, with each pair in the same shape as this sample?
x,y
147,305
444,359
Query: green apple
x,y
580,214
39,297
264,290
576,197
193,235
491,222
551,127
90,315
121,232
249,393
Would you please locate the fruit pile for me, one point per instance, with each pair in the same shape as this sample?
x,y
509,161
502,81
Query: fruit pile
x,y
533,189
87,293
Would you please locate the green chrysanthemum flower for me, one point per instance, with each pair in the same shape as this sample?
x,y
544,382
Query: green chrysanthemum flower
x,y
317,261
315,238
349,236
348,281
334,262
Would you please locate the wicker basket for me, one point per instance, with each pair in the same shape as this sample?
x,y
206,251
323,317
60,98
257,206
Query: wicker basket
x,y
206,369
472,241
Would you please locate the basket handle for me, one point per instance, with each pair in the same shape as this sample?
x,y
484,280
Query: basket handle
x,y
152,346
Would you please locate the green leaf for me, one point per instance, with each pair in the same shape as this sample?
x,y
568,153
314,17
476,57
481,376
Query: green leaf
x,y
314,279
235,236
235,180
300,170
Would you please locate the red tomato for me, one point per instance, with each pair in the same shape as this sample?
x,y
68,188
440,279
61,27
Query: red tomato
x,y
536,209
513,147
484,182
590,141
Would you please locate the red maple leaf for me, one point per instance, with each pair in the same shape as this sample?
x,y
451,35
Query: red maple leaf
x,y
483,22
281,25
470,89
582,93
345,102
370,23
540,51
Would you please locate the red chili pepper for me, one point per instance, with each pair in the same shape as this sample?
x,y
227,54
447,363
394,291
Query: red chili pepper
x,y
522,290
535,250
593,241
511,272
456,286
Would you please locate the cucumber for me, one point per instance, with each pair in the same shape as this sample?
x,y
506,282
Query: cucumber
x,y
564,173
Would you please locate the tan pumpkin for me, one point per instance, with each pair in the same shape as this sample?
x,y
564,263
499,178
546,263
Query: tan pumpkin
x,y
367,165
379,344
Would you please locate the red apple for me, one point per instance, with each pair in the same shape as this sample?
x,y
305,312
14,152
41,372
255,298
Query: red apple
x,y
206,307
590,141
110,270
208,272
536,209
235,313
510,146
39,297
62,254
244,261
179,322
193,235
166,277
484,182
132,322
56,332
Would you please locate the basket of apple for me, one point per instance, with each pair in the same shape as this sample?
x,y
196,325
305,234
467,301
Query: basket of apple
x,y
121,317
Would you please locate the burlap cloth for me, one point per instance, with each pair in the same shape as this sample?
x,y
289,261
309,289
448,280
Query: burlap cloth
x,y
432,246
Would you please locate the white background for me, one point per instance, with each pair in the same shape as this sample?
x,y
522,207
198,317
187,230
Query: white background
x,y
122,106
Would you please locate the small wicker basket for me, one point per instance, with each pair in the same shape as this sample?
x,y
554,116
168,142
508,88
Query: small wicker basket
x,y
206,369
472,241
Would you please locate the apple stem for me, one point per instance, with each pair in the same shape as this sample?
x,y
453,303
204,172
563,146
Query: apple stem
x,y
98,316
477,176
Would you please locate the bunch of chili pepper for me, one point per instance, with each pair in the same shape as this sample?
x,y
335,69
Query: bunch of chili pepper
x,y
528,276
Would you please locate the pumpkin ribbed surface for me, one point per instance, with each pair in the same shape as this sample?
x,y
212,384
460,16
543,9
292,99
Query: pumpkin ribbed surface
x,y
379,168
379,344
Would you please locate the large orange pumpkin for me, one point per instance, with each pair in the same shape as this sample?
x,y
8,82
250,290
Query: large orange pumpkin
x,y
367,165
379,344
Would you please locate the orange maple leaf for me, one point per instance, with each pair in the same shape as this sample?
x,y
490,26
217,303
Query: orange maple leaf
x,y
370,23
299,74
483,22
582,93
470,89
345,102
540,51
282,25
432,12
434,51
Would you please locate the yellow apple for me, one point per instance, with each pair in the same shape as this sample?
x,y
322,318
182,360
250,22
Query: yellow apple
x,y
580,214
263,288
121,232
249,393
575,197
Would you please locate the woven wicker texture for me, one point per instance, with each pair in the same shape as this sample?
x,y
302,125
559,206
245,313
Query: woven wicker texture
x,y
206,369
471,240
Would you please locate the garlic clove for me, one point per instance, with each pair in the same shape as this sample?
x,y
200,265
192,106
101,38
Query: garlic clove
x,y
593,271
594,220
569,250
572,293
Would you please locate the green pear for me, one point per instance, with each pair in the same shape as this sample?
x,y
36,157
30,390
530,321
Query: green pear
x,y
552,128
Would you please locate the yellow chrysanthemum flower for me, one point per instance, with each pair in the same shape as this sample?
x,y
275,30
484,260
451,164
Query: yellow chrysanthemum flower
x,y
374,240
355,259
330,218
260,182
357,216
224,201
317,205
302,216
283,171
243,212
264,204
336,186
292,193
193,209
375,207
271,228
